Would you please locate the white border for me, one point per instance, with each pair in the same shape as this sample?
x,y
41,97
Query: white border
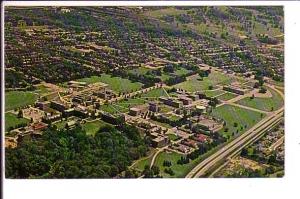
x,y
183,188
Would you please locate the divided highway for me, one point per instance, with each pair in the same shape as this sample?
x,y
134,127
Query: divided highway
x,y
237,144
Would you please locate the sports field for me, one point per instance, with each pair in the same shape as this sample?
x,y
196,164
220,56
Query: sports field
x,y
18,99
12,120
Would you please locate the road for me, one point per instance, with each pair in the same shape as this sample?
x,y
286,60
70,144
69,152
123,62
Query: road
x,y
236,144
277,144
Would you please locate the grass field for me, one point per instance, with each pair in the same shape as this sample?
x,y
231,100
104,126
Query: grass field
x,y
155,93
113,109
139,71
91,128
265,104
141,163
12,120
115,83
194,84
42,90
213,93
227,96
122,106
172,137
17,99
179,170
242,117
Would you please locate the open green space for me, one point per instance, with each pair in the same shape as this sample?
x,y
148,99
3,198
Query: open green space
x,y
128,103
232,114
213,93
139,71
141,163
227,96
42,90
265,104
18,99
155,93
179,170
12,121
172,137
112,109
115,83
92,127
122,106
195,84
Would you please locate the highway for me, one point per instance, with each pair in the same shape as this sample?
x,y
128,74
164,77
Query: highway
x,y
237,144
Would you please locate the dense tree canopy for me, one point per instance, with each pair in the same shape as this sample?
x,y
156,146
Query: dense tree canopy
x,y
73,154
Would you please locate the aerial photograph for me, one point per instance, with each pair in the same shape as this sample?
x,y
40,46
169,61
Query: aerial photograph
x,y
118,92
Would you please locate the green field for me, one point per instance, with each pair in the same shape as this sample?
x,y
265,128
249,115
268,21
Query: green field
x,y
128,103
179,170
122,106
113,109
227,96
92,127
115,83
172,137
42,90
265,104
18,99
155,93
141,163
194,84
139,71
232,114
213,93
12,120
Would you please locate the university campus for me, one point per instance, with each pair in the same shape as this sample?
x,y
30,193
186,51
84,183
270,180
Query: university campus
x,y
144,92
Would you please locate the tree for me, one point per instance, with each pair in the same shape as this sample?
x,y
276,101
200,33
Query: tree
x,y
20,113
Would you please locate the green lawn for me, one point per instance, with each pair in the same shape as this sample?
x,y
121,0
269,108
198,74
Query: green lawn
x,y
213,93
141,163
61,124
182,71
194,84
155,93
139,71
172,137
265,104
241,116
122,106
91,128
179,170
17,99
115,83
227,96
113,109
12,120
42,90
130,102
